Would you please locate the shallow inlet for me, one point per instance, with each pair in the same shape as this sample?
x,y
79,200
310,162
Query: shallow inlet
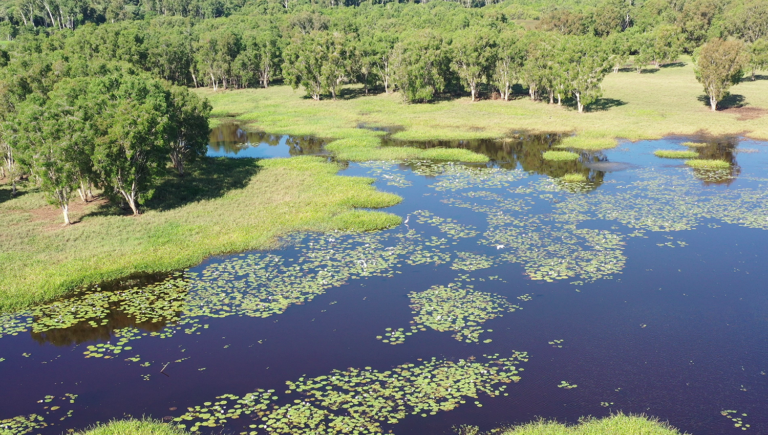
x,y
643,287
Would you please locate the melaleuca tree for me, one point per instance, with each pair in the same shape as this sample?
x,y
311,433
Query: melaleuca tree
x,y
719,65
474,55
421,66
509,62
585,64
188,130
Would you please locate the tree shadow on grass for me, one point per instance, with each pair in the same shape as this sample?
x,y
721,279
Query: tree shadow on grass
x,y
208,178
672,65
733,101
5,191
603,104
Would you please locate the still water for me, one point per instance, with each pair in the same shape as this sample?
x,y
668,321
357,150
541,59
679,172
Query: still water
x,y
507,294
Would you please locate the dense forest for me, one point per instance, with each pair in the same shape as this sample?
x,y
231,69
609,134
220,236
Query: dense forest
x,y
96,93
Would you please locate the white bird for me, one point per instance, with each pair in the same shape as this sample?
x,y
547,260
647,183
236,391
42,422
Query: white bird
x,y
499,247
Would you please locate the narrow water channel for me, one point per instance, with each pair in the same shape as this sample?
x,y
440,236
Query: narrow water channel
x,y
508,294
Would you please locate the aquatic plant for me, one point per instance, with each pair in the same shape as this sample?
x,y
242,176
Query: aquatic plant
x,y
132,426
560,156
574,178
616,424
708,164
675,154
369,398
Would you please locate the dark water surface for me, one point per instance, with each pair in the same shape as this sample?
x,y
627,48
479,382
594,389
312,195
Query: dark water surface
x,y
653,277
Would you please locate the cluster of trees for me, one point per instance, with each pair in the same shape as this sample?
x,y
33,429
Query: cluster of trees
x,y
110,127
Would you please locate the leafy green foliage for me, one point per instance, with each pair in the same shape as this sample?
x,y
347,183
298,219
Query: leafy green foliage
x,y
719,66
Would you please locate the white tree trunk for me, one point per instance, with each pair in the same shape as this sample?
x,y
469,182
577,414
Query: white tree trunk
x,y
713,103
578,102
65,211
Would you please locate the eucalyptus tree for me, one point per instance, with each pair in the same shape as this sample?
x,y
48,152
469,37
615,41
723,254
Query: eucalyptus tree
x,y
537,70
719,65
474,56
509,62
421,66
749,19
215,54
619,45
188,128
382,46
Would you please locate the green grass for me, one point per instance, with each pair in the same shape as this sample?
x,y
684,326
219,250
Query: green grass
x,y
574,178
708,164
592,141
223,205
676,154
560,156
693,144
133,427
361,149
634,106
618,424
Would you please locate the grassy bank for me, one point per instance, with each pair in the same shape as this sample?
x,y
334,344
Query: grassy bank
x,y
134,427
223,205
634,106
618,424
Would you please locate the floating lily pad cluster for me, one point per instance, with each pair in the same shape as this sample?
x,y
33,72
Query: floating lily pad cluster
x,y
736,417
22,424
454,176
363,401
469,261
446,225
387,172
458,308
566,385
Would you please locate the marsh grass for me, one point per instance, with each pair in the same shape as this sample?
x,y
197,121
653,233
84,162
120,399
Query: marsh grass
x,y
694,144
592,141
708,164
360,149
134,427
574,178
617,424
652,106
676,154
223,205
560,156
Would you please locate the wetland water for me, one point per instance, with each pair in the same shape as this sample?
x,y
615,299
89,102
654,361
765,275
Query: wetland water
x,y
506,295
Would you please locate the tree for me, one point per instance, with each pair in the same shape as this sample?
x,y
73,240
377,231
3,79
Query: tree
x,y
474,55
319,62
758,56
749,20
509,61
718,67
259,62
216,52
46,146
188,128
132,125
586,62
421,66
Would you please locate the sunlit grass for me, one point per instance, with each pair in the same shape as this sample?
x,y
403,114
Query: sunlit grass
x,y
693,144
560,156
133,427
708,164
675,154
618,424
223,205
634,106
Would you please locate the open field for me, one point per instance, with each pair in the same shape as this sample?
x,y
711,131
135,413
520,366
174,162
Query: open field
x,y
223,205
634,106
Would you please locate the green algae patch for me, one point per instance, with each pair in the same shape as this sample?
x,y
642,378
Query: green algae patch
x,y
676,154
708,164
560,156
222,205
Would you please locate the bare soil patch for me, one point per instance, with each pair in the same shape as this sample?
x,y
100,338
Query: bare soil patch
x,y
746,113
